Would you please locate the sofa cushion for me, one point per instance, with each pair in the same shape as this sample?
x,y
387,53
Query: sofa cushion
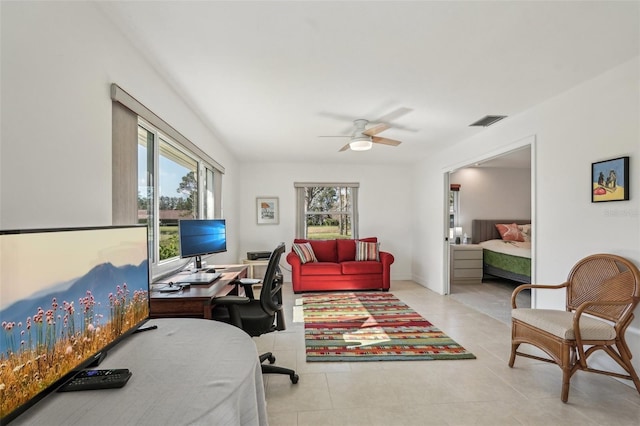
x,y
347,248
361,267
321,268
367,251
304,252
325,250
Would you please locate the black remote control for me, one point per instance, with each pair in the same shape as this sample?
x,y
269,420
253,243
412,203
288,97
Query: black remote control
x,y
97,379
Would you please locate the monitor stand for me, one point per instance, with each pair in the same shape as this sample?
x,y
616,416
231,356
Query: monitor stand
x,y
198,262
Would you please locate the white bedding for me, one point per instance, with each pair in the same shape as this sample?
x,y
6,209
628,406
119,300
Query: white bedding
x,y
514,248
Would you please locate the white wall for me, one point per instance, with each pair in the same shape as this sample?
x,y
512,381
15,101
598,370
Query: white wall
x,y
492,193
385,202
55,154
56,114
595,121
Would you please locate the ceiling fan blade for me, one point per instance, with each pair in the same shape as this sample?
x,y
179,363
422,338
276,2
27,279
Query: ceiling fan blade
x,y
397,113
376,129
344,148
385,141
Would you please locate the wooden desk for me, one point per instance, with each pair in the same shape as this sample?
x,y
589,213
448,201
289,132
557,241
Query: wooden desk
x,y
195,300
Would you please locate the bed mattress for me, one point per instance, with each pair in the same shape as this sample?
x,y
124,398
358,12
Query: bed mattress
x,y
507,259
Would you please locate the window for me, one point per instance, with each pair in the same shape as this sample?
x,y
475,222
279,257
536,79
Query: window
x,y
168,190
159,177
454,211
327,210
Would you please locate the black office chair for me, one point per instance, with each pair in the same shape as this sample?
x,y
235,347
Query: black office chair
x,y
258,316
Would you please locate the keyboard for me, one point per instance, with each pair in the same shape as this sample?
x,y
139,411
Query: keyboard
x,y
97,379
199,278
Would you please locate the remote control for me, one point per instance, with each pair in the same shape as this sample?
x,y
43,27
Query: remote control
x,y
97,379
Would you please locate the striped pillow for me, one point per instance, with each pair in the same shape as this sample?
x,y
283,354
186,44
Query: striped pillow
x,y
304,252
367,251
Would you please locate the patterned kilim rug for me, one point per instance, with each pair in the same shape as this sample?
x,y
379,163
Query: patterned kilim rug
x,y
371,326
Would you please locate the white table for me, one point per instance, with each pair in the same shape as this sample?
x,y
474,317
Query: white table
x,y
188,371
254,263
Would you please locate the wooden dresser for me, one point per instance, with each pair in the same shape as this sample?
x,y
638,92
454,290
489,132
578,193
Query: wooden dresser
x,y
465,262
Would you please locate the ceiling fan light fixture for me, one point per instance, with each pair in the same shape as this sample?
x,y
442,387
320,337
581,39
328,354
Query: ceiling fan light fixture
x,y
360,143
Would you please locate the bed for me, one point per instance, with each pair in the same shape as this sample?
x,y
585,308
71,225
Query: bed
x,y
501,258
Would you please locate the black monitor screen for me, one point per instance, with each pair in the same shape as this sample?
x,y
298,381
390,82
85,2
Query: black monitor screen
x,y
199,237
68,295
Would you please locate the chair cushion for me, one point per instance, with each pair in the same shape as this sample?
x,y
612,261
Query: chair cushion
x,y
560,324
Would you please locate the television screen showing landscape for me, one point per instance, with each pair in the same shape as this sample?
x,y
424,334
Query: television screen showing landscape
x,y
66,295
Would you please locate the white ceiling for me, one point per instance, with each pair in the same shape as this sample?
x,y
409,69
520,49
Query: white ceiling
x,y
269,78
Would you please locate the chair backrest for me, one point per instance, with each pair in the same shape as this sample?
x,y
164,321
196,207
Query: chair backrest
x,y
604,277
270,295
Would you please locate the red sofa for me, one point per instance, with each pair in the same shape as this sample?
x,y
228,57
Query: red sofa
x,y
337,269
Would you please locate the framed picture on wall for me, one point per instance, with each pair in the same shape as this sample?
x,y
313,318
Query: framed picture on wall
x,y
267,210
610,180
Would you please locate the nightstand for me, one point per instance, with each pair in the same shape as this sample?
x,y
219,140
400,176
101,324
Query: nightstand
x,y
465,262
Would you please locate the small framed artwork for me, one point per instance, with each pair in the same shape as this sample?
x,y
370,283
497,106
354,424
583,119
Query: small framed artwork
x,y
610,180
267,210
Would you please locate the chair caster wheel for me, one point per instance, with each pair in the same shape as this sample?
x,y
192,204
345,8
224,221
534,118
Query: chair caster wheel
x,y
294,378
272,359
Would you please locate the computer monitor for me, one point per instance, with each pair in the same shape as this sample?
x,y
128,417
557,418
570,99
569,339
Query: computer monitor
x,y
200,237
68,295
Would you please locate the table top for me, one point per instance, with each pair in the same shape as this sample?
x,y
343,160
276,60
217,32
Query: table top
x,y
199,291
187,371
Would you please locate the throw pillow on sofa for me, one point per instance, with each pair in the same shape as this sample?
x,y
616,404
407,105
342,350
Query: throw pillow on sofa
x,y
304,252
347,248
367,251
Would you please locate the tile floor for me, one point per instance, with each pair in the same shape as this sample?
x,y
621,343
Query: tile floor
x,y
491,297
484,391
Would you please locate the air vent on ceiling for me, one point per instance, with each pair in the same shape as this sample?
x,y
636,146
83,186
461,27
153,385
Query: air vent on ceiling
x,y
488,120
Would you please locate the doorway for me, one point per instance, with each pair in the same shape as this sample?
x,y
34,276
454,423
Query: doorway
x,y
496,187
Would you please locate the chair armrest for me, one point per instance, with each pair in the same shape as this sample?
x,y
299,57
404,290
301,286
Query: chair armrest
x,y
578,315
518,289
232,303
230,300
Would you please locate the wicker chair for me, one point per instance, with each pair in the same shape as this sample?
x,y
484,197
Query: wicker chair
x,y
602,291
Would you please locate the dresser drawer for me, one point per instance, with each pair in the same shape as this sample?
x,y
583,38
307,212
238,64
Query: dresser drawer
x,y
467,254
467,263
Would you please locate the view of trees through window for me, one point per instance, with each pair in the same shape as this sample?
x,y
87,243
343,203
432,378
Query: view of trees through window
x,y
177,183
328,212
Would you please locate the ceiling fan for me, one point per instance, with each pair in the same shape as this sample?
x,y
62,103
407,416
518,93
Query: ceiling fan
x,y
362,139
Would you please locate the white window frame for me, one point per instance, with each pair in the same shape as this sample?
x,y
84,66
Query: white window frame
x,y
128,114
301,213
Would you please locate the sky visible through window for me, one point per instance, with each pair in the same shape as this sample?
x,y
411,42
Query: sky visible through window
x,y
171,174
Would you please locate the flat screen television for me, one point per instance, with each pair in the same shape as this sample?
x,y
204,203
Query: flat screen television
x,y
68,295
200,237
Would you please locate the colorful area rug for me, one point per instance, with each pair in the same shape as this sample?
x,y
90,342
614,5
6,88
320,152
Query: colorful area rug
x,y
371,326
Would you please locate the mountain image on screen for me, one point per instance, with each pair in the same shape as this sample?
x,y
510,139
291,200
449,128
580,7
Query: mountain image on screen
x,y
91,295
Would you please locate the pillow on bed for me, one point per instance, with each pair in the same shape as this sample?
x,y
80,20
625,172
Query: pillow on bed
x,y
526,232
510,232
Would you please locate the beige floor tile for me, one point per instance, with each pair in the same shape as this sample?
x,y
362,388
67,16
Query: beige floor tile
x,y
484,391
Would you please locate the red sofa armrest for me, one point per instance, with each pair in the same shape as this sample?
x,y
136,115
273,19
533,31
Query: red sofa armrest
x,y
294,260
387,259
